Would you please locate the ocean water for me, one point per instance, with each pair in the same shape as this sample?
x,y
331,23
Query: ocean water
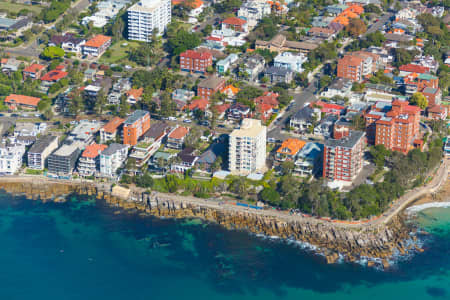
x,y
83,249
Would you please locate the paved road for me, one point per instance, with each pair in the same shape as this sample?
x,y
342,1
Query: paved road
x,y
378,25
32,49
307,95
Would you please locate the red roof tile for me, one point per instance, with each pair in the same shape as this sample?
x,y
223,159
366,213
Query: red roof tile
x,y
234,21
23,100
201,104
196,55
98,41
54,75
179,133
414,68
94,150
34,68
112,125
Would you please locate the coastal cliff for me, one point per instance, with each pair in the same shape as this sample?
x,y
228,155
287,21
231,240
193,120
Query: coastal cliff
x,y
332,241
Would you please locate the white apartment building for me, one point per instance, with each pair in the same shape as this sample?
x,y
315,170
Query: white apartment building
x,y
247,147
145,16
253,11
38,153
11,158
112,158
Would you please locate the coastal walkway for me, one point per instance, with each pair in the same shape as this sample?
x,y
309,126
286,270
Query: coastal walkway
x,y
441,175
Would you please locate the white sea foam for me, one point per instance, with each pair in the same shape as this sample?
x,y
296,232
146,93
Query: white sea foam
x,y
416,208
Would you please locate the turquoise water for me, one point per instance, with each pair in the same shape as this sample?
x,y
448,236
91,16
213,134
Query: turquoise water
x,y
85,250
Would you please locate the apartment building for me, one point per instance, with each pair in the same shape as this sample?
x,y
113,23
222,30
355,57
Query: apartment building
x,y
112,158
253,11
110,130
357,65
62,161
194,61
210,86
41,149
146,16
135,126
343,156
247,147
11,158
89,162
397,129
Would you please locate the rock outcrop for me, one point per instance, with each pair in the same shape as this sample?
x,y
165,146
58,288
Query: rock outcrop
x,y
380,242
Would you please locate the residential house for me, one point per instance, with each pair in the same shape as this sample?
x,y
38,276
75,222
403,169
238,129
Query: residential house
x,y
288,150
433,95
198,104
322,32
309,160
151,142
230,91
10,65
238,111
51,78
437,112
329,108
207,159
39,152
112,158
251,65
15,102
89,162
176,138
253,11
134,95
235,23
96,46
181,97
326,125
304,119
68,42
109,132
11,158
290,61
278,75
34,71
186,161
210,86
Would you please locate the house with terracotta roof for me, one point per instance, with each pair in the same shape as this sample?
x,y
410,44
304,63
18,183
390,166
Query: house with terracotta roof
x,y
89,162
329,108
33,71
230,91
221,109
111,129
51,78
96,46
289,149
413,68
235,23
134,95
175,139
268,98
194,61
201,104
196,6
437,112
321,32
14,102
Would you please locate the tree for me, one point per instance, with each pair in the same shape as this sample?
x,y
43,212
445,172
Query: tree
x,y
117,29
270,195
356,27
324,81
52,52
217,164
419,99
287,167
182,41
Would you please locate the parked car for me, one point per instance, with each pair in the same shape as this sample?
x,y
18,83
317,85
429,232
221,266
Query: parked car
x,y
172,118
187,121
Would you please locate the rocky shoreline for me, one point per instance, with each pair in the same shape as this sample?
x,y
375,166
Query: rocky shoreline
x,y
377,243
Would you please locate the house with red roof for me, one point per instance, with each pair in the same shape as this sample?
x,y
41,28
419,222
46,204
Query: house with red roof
x,y
268,98
175,139
201,104
235,23
437,112
51,78
96,46
111,129
329,108
89,162
196,6
195,61
33,71
412,68
134,95
15,102
221,109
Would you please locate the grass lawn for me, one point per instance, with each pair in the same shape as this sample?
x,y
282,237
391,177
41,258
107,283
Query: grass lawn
x,y
119,53
15,7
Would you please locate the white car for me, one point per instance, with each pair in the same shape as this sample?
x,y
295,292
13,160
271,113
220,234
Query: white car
x,y
172,118
187,121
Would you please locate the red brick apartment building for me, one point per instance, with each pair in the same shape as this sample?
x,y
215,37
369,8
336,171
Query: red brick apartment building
x,y
358,65
209,86
135,126
194,61
343,155
397,129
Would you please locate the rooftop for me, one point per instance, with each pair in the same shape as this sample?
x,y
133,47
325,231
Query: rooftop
x,y
156,130
113,148
22,99
97,41
179,133
42,143
346,142
94,150
291,146
112,125
249,128
211,82
137,114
